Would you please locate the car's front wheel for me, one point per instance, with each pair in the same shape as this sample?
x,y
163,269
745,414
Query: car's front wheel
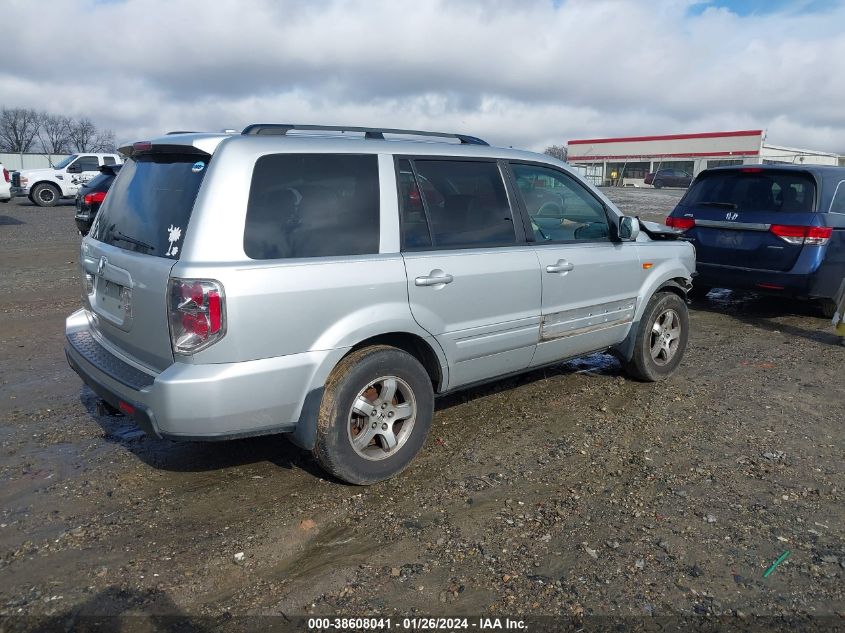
x,y
375,415
45,195
658,184
661,338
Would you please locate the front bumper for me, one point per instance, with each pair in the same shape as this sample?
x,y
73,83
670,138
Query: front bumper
x,y
195,402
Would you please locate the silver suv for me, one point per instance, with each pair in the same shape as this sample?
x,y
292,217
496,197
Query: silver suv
x,y
328,282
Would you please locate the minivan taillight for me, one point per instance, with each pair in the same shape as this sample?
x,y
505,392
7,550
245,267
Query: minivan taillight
x,y
197,314
682,224
810,235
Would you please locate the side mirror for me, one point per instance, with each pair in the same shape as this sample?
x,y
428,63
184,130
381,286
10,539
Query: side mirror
x,y
74,168
629,228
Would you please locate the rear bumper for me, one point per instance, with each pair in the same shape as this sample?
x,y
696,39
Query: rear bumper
x,y
822,283
195,402
19,191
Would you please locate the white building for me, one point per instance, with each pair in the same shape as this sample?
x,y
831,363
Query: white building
x,y
631,158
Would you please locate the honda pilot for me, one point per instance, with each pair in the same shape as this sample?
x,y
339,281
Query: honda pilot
x,y
328,283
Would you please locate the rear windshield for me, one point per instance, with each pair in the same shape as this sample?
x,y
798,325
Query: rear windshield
x,y
100,182
149,205
788,192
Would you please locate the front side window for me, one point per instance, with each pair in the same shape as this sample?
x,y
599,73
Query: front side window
x,y
466,204
560,209
87,163
313,205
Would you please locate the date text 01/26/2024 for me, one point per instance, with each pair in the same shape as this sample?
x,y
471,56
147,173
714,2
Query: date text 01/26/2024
x,y
414,624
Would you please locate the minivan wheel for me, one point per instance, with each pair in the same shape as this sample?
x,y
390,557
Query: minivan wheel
x,y
658,184
661,338
375,414
45,195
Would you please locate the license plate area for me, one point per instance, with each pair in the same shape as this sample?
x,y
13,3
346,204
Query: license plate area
x,y
113,301
730,239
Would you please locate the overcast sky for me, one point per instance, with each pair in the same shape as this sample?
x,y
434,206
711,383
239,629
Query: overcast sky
x,y
526,73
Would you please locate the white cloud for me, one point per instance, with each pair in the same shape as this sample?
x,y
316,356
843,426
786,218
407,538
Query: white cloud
x,y
526,74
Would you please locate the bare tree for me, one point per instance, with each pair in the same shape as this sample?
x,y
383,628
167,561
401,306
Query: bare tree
x,y
556,151
104,141
82,135
54,133
18,129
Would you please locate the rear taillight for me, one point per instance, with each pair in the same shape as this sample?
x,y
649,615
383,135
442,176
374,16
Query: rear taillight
x,y
97,196
751,170
6,174
197,314
810,235
682,224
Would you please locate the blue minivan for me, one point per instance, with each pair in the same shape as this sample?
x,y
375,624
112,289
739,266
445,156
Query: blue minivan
x,y
770,228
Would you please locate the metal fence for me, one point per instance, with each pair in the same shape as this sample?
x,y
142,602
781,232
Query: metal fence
x,y
14,162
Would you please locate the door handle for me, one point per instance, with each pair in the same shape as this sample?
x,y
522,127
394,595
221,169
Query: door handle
x,y
435,278
562,266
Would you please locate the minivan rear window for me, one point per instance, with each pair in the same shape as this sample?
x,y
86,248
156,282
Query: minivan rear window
x,y
765,190
313,205
150,203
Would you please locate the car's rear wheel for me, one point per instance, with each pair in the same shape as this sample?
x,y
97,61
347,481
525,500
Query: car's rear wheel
x,y
661,339
375,414
45,195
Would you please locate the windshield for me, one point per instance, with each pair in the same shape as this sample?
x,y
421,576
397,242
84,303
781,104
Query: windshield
x,y
65,162
784,191
150,203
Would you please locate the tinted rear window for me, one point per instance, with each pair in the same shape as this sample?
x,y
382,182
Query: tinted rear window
x,y
313,205
149,205
788,192
101,182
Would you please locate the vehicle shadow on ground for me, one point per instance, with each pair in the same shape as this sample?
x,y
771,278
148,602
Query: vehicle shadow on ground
x,y
762,310
119,609
5,220
199,456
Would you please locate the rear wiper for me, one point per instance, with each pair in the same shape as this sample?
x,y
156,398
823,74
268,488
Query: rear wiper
x,y
724,205
125,238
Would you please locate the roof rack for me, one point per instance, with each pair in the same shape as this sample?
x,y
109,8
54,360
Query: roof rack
x,y
181,132
281,129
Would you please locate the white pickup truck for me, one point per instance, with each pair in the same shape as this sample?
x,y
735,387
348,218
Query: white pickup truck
x,y
45,187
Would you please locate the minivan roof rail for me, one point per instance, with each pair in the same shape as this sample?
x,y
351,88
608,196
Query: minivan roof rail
x,y
281,129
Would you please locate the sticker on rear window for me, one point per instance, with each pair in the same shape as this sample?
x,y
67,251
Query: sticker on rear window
x,y
174,233
198,167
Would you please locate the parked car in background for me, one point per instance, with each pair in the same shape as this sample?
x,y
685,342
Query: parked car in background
x,y
771,228
5,184
91,196
328,287
668,178
45,187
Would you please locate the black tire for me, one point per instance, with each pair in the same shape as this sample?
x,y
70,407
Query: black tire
x,y
337,423
827,308
643,365
658,184
45,195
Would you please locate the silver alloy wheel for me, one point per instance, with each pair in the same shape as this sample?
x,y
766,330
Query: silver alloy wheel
x,y
665,337
382,418
46,194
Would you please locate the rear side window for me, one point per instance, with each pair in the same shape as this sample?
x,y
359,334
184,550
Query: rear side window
x,y
149,205
99,182
837,205
465,203
787,192
108,160
313,205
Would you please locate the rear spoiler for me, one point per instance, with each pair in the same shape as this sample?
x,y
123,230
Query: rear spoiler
x,y
657,231
110,170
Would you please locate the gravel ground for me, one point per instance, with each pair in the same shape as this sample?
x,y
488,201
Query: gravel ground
x,y
571,491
